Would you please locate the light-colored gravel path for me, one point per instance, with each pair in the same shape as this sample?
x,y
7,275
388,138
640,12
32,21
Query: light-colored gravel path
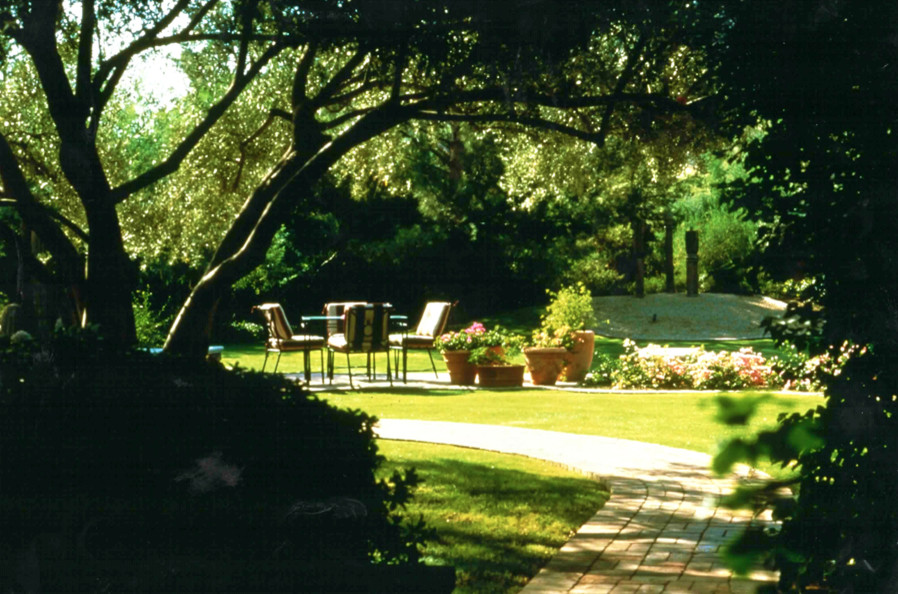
x,y
664,317
661,530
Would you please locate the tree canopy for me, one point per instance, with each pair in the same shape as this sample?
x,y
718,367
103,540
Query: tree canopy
x,y
337,75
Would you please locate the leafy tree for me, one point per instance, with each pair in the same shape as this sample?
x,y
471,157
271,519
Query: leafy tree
x,y
822,76
353,72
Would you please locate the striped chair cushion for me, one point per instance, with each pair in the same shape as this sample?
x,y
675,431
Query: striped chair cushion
x,y
365,329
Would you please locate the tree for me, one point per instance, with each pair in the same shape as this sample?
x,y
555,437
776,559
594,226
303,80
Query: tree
x,y
78,86
356,70
822,78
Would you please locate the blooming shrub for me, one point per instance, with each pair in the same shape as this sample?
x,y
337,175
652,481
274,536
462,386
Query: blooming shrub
x,y
659,368
801,373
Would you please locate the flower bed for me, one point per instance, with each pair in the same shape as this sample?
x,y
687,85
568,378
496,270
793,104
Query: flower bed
x,y
656,367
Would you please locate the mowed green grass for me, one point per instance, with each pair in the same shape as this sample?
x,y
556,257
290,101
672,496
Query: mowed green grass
x,y
497,518
681,420
251,356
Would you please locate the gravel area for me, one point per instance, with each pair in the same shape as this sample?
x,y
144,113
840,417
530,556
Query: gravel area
x,y
663,316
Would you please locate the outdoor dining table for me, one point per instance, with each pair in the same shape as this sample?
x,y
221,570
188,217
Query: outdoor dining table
x,y
401,320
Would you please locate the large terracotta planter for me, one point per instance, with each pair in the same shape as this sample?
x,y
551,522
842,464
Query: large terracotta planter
x,y
500,376
544,364
579,359
461,372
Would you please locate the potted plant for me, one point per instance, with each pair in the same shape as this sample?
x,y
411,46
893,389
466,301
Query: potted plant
x,y
494,368
567,323
545,356
457,346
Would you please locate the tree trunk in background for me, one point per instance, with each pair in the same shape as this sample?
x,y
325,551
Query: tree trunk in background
x,y
639,229
669,283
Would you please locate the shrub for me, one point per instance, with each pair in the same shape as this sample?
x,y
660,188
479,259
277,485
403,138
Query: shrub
x,y
657,368
124,456
569,311
151,325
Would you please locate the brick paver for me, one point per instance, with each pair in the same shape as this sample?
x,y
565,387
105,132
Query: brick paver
x,y
661,530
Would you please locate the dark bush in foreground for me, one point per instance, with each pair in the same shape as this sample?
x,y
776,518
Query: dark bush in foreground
x,y
136,470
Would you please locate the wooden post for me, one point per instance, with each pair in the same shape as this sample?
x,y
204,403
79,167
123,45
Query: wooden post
x,y
639,230
692,263
669,286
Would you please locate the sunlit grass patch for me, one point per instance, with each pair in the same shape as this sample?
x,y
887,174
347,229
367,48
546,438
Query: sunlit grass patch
x,y
498,518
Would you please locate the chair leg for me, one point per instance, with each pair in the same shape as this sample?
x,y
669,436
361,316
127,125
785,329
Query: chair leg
x,y
307,366
432,364
321,353
276,361
265,360
389,373
349,370
404,365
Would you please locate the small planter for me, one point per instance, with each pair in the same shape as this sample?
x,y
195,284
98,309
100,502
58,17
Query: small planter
x,y
579,359
500,376
544,364
461,372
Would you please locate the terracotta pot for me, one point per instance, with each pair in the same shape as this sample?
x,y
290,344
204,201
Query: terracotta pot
x,y
544,364
461,372
500,376
579,359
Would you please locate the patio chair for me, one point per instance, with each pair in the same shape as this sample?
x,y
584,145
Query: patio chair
x,y
431,325
281,339
365,330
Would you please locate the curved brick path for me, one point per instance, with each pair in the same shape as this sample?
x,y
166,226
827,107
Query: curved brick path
x,y
660,531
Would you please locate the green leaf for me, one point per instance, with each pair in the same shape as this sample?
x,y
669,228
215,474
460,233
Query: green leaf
x,y
732,453
738,410
748,550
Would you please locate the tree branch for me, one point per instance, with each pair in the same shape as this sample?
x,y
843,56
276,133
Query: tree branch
x,y
301,76
85,50
171,164
110,71
510,118
36,216
273,114
622,81
337,80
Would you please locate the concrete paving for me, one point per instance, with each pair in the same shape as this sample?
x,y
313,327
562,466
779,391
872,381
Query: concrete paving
x,y
661,531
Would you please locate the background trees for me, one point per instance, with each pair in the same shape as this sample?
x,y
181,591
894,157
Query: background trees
x,y
333,77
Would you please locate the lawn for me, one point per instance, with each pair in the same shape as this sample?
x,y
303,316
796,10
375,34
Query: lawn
x,y
682,420
252,355
497,518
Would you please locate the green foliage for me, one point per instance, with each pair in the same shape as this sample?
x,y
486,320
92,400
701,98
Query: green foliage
x,y
176,462
151,325
822,178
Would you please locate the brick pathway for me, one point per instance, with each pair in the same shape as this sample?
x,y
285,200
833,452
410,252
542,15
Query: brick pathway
x,y
660,531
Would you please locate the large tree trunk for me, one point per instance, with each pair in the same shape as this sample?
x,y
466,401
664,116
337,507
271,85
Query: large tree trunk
x,y
110,281
247,241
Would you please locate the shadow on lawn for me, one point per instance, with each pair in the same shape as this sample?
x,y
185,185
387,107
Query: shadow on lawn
x,y
498,526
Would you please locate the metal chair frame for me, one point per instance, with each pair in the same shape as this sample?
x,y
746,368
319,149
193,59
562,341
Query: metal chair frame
x,y
373,318
282,340
401,343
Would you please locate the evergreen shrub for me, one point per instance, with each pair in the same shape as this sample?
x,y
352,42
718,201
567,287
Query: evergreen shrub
x,y
116,457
